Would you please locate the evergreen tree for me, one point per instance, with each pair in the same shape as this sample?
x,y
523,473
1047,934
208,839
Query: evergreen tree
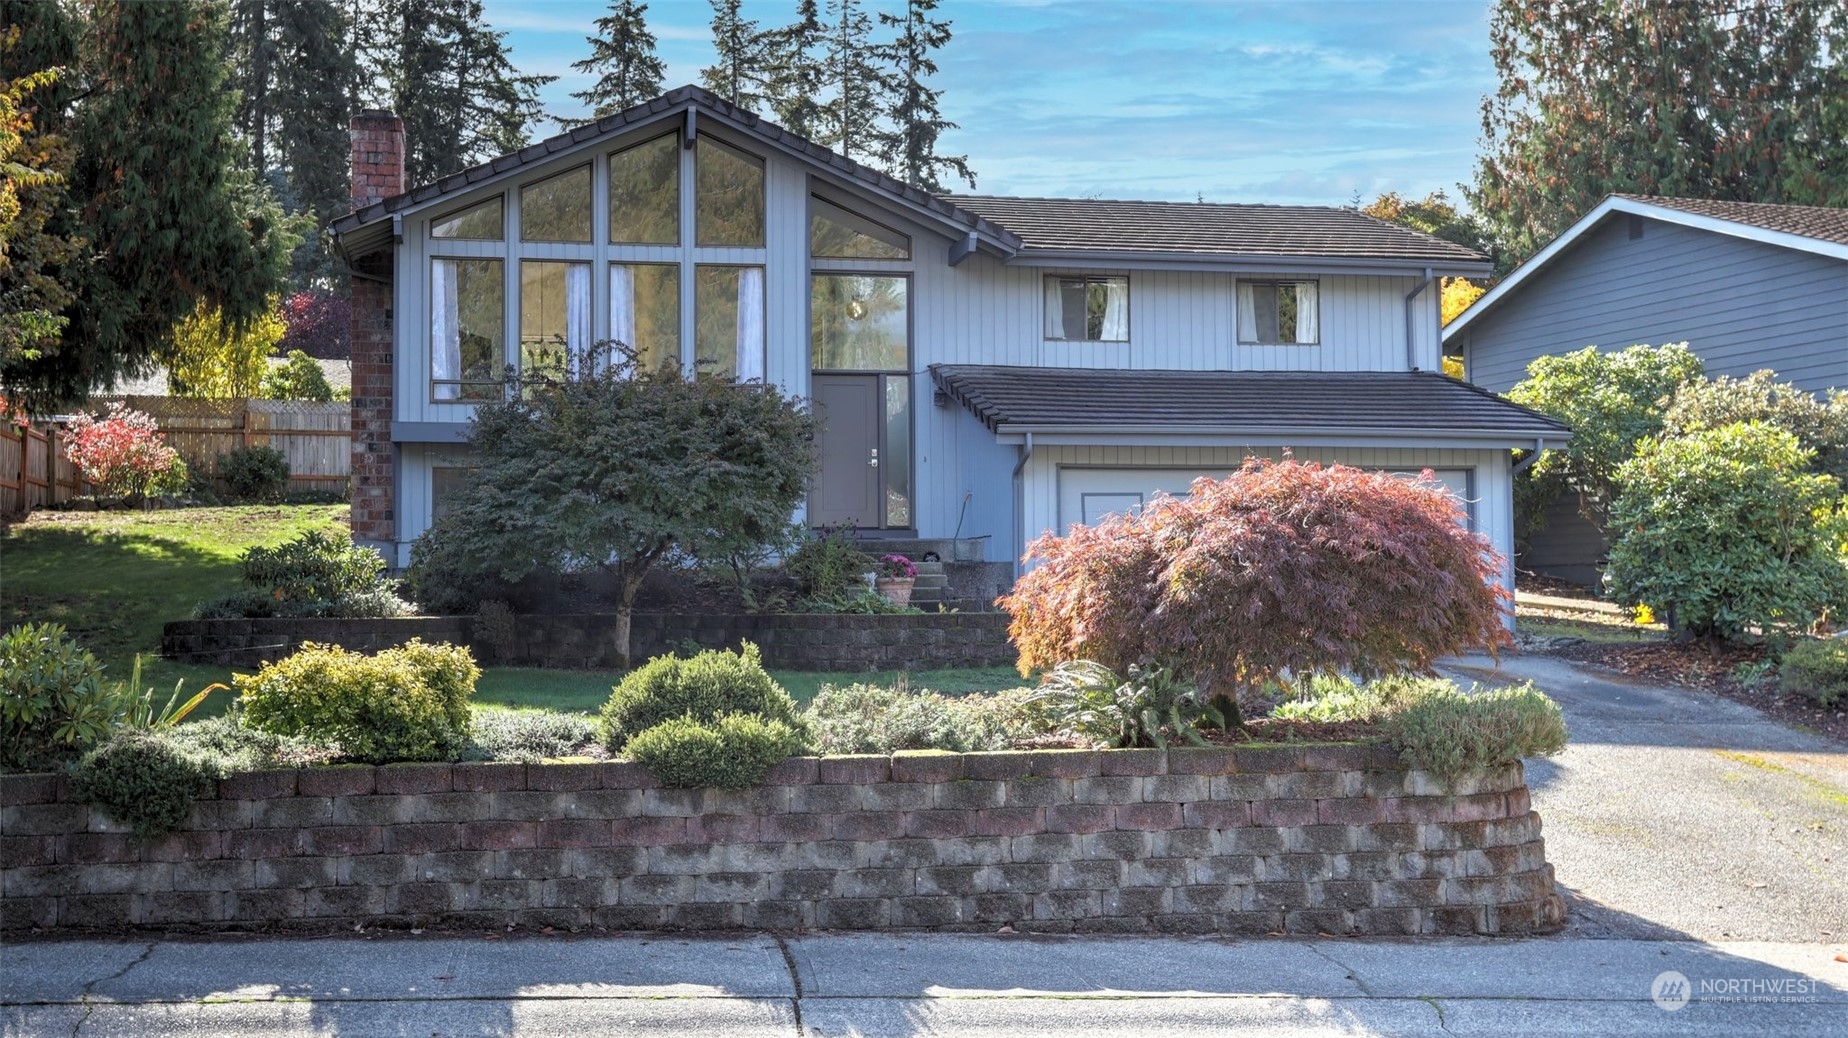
x,y
795,85
909,147
253,60
623,55
315,71
851,71
446,73
37,235
1739,100
741,74
156,192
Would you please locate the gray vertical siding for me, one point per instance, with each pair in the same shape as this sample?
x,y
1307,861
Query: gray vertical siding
x,y
1741,305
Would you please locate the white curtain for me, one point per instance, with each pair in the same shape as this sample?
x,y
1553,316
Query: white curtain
x,y
622,310
1247,312
1308,325
750,324
1055,309
1116,311
577,315
445,330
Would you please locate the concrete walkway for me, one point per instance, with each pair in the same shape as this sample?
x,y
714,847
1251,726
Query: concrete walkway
x,y
1689,833
867,985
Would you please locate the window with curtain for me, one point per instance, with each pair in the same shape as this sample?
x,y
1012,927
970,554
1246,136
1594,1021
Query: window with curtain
x,y
859,323
835,233
557,208
728,321
1087,309
645,311
554,317
467,329
482,221
1279,313
645,193
728,185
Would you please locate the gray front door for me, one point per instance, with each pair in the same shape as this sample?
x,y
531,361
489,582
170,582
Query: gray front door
x,y
846,488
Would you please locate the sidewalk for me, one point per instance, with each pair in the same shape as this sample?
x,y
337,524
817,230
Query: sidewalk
x,y
878,985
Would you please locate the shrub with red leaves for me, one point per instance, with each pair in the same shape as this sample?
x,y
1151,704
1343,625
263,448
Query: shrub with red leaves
x,y
124,454
317,324
1280,571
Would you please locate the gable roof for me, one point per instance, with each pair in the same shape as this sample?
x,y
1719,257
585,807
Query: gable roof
x,y
1359,405
1205,228
1076,229
928,207
1814,229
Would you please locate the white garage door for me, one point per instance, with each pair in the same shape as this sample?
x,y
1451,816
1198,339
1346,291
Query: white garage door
x,y
1087,495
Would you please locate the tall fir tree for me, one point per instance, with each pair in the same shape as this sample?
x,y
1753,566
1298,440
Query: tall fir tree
x,y
856,81
908,146
168,216
795,84
252,55
622,56
315,72
1740,100
38,234
447,74
741,72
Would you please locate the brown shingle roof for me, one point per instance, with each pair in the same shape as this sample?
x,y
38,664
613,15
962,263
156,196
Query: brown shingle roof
x,y
1087,224
1809,221
1017,399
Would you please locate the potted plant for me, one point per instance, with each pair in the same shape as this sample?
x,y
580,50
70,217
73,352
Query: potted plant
x,y
896,576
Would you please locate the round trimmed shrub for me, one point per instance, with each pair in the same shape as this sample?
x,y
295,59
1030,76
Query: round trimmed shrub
x,y
144,780
404,704
1817,669
704,688
1448,733
730,753
255,473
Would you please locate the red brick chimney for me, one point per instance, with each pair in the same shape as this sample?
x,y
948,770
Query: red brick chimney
x,y
378,174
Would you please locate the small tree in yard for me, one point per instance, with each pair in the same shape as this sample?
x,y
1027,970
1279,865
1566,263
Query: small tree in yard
x,y
1282,571
615,470
124,455
1727,533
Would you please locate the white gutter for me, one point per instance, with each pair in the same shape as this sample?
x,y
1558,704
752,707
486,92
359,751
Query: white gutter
x,y
1411,345
1237,263
1539,446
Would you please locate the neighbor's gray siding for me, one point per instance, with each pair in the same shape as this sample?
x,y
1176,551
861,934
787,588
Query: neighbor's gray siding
x,y
1741,305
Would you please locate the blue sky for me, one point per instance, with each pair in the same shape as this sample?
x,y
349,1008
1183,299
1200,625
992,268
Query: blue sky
x,y
1304,102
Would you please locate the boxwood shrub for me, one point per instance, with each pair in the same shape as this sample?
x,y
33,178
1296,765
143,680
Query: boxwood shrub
x,y
710,685
404,704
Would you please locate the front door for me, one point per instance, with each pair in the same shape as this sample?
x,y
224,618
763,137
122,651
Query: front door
x,y
846,488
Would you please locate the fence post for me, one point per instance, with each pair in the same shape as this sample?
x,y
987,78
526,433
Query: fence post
x,y
51,466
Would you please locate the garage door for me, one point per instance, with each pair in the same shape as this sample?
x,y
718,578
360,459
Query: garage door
x,y
1088,495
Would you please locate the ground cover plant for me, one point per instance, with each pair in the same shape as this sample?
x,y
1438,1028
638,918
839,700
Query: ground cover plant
x,y
317,574
867,717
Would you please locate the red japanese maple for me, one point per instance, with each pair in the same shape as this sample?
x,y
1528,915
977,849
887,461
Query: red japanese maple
x,y
123,454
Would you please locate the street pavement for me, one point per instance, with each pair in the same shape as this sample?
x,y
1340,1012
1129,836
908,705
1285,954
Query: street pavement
x,y
1691,835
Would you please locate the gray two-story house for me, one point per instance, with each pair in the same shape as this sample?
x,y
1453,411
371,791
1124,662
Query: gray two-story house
x,y
984,367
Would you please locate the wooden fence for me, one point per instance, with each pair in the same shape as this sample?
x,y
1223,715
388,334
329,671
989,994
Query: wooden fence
x,y
316,438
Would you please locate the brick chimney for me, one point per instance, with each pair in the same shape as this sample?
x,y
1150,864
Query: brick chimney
x,y
378,174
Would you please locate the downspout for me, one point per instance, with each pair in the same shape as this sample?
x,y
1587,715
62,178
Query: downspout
x,y
1539,445
1020,503
1411,349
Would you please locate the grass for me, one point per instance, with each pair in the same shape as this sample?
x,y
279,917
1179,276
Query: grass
x,y
113,578
1581,614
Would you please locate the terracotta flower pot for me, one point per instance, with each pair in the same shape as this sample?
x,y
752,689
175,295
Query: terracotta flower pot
x,y
897,590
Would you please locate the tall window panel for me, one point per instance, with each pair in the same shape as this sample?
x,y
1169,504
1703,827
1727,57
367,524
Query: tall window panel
x,y
557,208
728,318
859,323
645,311
468,344
645,193
898,450
554,317
729,196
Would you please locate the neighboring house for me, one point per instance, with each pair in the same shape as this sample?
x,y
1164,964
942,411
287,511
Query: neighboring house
x,y
1747,285
984,367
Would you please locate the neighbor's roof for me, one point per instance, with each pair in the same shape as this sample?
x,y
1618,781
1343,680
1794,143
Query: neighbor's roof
x,y
1318,404
1081,228
1205,228
1804,228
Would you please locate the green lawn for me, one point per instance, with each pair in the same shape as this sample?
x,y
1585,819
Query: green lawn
x,y
113,578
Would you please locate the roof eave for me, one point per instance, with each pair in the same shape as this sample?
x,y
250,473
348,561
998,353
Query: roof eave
x,y
1031,256
1278,435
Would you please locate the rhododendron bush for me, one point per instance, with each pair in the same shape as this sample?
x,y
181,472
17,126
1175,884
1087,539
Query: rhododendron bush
x,y
1279,572
123,454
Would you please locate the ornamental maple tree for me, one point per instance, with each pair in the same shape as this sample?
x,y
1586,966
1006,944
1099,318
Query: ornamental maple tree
x,y
1282,571
123,454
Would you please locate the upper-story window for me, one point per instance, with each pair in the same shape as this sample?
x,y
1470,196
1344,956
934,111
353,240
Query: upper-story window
x,y
1087,309
728,309
554,316
728,193
557,208
645,193
859,323
835,233
482,221
1279,313
468,322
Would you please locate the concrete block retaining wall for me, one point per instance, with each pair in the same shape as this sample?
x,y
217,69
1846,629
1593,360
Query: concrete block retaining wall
x,y
1331,839
793,641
